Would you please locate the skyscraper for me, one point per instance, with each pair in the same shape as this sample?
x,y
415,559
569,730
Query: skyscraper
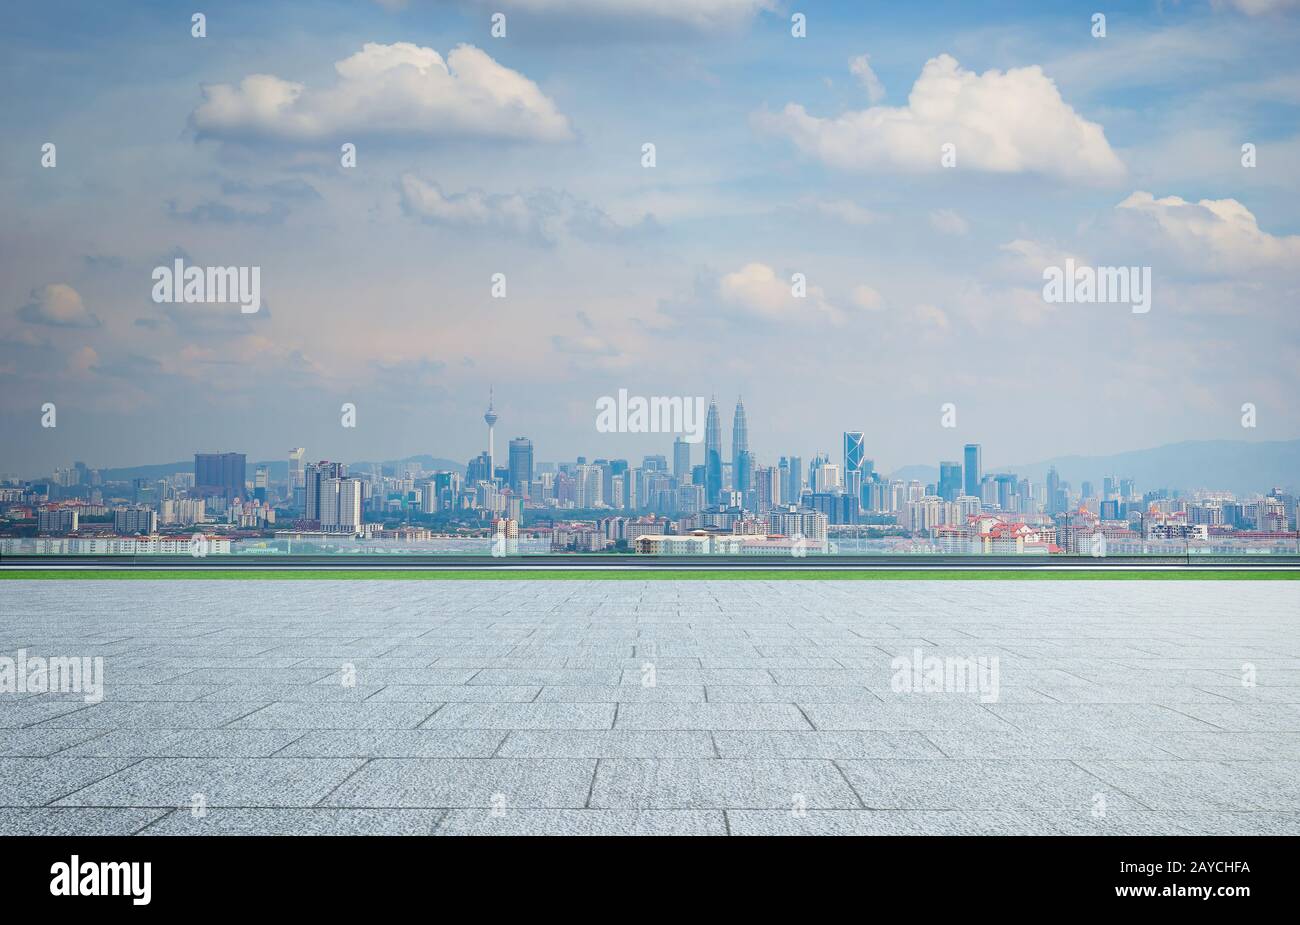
x,y
854,462
296,472
854,450
491,419
219,474
681,459
712,455
314,476
972,474
340,504
949,480
521,463
741,468
794,480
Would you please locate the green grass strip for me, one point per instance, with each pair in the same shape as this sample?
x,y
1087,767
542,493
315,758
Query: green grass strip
x,y
989,574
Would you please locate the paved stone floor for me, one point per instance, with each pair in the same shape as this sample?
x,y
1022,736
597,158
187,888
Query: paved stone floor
x,y
647,707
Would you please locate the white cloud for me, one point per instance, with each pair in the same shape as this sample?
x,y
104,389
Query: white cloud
x,y
697,14
546,215
1214,234
1000,121
947,221
396,90
757,291
57,305
860,67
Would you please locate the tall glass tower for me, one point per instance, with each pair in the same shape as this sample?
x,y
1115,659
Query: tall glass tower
x,y
854,450
741,467
681,460
712,455
972,480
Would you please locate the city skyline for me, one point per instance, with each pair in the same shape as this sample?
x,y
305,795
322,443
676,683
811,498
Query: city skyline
x,y
854,453
777,239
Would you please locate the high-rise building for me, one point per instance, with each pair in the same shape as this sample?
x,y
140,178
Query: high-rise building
x,y
712,455
826,478
296,471
129,521
340,504
681,459
767,487
971,482
743,474
793,487
1008,494
521,463
261,482
855,452
313,478
1054,505
741,465
479,469
949,480
56,520
589,489
220,474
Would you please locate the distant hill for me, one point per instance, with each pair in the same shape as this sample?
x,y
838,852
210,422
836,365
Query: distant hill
x,y
278,468
1238,466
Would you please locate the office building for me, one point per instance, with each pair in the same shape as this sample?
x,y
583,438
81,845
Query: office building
x,y
135,520
219,475
950,481
314,476
681,459
521,464
972,474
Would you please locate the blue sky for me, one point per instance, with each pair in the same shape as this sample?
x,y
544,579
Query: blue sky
x,y
775,156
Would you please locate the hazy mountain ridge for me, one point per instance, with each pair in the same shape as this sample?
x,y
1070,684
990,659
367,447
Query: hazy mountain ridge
x,y
1239,466
278,468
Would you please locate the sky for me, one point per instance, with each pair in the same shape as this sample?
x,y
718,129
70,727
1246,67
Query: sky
x,y
524,155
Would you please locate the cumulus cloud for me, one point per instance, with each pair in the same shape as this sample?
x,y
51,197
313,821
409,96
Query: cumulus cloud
x,y
1010,121
1215,234
756,291
543,215
57,305
399,90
